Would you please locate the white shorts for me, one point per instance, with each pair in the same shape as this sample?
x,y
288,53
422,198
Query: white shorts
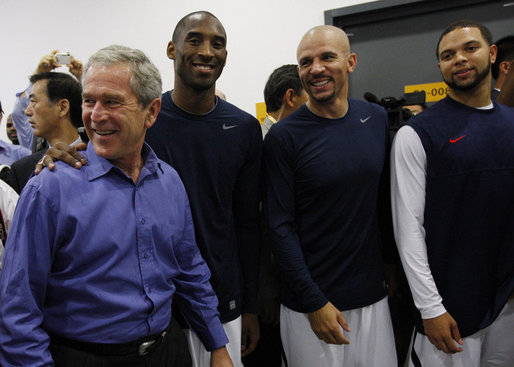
x,y
202,358
371,339
492,346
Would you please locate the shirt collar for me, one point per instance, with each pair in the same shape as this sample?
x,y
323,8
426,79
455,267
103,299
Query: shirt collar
x,y
78,140
98,166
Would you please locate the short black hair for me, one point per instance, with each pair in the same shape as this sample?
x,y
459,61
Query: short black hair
x,y
280,80
182,23
505,53
63,86
486,33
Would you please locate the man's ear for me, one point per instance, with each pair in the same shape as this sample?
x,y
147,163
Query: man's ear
x,y
63,106
170,50
289,97
152,110
505,66
493,50
352,62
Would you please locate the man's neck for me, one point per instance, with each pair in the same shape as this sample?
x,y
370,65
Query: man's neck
x,y
275,115
130,166
332,110
66,135
194,101
499,82
476,97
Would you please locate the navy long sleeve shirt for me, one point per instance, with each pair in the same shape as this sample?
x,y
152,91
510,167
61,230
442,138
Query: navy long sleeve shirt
x,y
322,183
218,157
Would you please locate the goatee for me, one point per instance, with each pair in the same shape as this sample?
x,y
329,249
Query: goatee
x,y
463,88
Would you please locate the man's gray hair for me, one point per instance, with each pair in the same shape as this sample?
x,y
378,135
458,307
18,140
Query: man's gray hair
x,y
145,81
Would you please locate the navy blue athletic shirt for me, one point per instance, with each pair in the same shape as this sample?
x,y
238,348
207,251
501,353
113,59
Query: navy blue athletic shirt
x,y
469,208
218,157
322,182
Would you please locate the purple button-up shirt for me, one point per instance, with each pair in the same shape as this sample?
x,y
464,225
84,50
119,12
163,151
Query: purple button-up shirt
x,y
10,153
95,257
20,120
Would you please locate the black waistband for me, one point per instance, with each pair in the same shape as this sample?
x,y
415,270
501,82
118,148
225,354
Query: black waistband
x,y
142,346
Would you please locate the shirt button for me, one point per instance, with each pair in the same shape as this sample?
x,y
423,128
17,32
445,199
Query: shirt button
x,y
143,221
145,255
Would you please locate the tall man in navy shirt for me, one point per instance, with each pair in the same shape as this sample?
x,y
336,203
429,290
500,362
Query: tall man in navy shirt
x,y
324,167
96,255
216,148
453,211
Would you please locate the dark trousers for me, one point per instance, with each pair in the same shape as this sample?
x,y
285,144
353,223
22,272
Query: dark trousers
x,y
170,351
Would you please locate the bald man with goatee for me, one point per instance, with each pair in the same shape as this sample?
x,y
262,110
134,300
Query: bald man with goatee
x,y
326,184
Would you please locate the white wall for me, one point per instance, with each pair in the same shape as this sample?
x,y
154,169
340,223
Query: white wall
x,y
262,35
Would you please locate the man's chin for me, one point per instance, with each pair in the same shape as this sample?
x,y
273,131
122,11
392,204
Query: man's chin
x,y
323,99
463,87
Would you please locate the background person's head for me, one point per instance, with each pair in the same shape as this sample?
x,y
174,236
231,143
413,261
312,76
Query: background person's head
x,y
284,92
55,104
503,62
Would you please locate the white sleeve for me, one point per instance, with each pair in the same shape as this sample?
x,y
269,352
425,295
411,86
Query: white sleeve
x,y
408,179
8,200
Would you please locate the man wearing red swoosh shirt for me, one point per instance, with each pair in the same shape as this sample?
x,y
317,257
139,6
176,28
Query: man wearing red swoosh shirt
x,y
453,199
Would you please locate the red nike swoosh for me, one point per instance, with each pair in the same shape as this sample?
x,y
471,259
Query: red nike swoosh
x,y
456,140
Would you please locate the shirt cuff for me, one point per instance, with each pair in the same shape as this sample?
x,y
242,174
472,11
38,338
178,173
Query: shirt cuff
x,y
432,311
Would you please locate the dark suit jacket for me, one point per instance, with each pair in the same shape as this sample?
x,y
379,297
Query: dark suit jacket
x,y
22,169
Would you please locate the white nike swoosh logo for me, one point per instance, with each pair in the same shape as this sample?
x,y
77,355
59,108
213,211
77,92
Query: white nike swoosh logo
x,y
366,119
226,127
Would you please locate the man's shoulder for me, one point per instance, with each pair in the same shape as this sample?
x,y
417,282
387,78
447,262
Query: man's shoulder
x,y
167,171
297,125
28,161
503,108
227,108
64,182
224,111
434,113
361,108
297,117
19,150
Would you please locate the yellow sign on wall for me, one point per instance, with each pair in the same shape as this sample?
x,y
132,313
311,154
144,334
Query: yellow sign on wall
x,y
261,111
434,91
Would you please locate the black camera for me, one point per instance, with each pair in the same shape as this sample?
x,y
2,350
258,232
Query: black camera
x,y
395,108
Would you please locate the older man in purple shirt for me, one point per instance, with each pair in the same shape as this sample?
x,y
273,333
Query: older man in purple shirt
x,y
114,241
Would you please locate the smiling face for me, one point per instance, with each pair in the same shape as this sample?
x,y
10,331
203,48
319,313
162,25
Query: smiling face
x,y
465,59
114,120
324,62
199,52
